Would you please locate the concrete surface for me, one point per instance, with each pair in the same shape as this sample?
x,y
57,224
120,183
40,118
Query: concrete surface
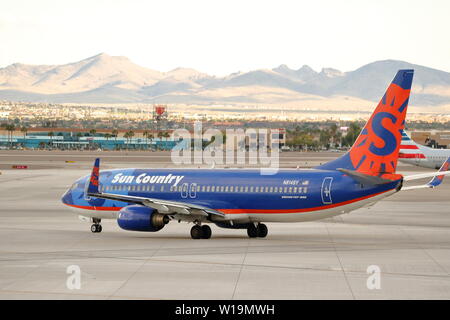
x,y
407,236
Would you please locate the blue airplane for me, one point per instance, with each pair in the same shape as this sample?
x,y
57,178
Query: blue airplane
x,y
148,199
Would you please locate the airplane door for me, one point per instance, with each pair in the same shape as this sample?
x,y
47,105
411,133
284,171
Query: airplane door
x,y
184,190
193,191
326,190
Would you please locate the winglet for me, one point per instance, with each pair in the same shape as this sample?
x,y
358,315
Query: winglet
x,y
437,180
93,181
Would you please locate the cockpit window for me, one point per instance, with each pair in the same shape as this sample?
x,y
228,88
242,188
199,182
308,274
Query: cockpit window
x,y
74,186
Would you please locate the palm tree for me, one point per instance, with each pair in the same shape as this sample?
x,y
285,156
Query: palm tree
x,y
107,136
145,134
11,128
334,133
151,137
131,134
24,131
92,132
51,134
115,133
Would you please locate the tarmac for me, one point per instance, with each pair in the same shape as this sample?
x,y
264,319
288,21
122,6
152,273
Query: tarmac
x,y
406,237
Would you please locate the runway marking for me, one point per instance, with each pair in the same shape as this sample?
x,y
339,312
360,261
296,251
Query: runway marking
x,y
340,262
240,269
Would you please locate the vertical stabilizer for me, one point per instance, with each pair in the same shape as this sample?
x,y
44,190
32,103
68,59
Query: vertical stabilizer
x,y
376,150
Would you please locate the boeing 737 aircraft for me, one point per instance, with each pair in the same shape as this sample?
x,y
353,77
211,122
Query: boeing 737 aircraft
x,y
148,199
422,156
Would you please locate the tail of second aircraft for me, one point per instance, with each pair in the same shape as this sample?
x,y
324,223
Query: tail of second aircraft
x,y
376,150
409,149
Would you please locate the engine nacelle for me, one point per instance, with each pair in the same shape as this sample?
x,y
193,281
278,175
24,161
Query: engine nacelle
x,y
141,218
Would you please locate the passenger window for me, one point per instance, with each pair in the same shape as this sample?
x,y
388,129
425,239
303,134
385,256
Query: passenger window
x,y
231,189
256,189
290,189
226,189
162,188
271,189
266,189
213,188
252,188
241,189
285,189
295,189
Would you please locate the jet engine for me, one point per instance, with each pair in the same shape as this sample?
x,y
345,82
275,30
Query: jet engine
x,y
141,218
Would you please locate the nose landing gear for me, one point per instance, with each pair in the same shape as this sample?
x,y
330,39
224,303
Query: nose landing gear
x,y
96,227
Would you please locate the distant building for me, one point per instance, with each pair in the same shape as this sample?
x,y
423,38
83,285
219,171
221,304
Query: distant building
x,y
432,138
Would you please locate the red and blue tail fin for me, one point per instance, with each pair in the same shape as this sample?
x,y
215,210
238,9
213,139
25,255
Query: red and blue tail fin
x,y
375,152
93,181
409,149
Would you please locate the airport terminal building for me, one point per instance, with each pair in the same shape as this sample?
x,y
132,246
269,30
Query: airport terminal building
x,y
63,139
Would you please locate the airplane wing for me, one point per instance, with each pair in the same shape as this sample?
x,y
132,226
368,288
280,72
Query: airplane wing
x,y
437,177
163,206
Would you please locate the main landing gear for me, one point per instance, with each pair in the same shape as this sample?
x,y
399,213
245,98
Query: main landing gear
x,y
260,230
96,227
201,232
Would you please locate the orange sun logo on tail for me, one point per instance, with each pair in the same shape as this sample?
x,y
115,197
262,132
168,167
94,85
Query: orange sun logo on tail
x,y
376,150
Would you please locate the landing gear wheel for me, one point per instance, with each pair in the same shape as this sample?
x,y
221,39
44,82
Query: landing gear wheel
x,y
206,232
196,232
262,230
96,228
252,231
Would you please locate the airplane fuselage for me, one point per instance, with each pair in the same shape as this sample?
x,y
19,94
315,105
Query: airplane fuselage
x,y
427,158
242,195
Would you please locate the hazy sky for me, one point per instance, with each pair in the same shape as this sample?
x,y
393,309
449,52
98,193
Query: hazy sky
x,y
220,37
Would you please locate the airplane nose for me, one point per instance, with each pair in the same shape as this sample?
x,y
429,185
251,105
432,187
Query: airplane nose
x,y
67,197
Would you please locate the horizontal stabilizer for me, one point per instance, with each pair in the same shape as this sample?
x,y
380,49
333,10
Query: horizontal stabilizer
x,y
437,177
364,178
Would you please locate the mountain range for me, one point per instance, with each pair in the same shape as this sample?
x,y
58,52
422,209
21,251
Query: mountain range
x,y
110,79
